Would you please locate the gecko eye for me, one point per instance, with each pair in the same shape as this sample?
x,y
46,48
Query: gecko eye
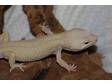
x,y
86,42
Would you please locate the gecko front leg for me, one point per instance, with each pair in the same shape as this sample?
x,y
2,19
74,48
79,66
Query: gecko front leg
x,y
45,28
61,62
12,62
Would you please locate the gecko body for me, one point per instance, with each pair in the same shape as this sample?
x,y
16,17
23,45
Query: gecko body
x,y
38,48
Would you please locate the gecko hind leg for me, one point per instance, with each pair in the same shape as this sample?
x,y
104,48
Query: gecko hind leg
x,y
12,63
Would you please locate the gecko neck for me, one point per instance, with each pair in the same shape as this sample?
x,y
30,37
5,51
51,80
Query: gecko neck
x,y
61,39
55,40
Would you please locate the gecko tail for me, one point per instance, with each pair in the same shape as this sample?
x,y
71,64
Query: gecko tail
x,y
4,37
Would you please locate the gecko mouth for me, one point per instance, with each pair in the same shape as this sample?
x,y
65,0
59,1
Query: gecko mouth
x,y
75,49
72,49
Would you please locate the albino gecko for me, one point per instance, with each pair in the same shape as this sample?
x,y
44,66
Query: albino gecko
x,y
38,48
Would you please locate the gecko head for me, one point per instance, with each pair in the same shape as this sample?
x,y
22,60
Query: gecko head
x,y
78,39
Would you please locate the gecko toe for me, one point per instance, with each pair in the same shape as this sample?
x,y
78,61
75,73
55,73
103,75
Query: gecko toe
x,y
20,66
72,67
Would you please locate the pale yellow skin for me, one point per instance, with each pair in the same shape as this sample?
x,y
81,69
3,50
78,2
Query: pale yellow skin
x,y
38,48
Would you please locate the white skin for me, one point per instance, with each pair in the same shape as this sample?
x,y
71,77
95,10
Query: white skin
x,y
82,39
73,40
60,61
79,44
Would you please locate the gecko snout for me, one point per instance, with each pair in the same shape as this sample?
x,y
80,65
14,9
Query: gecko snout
x,y
93,38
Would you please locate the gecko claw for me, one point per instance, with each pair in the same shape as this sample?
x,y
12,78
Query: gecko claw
x,y
72,67
20,66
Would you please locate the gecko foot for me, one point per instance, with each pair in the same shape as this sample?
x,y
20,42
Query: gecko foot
x,y
71,67
46,29
20,66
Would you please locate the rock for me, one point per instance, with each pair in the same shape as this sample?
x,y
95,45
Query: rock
x,y
38,15
86,70
31,70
